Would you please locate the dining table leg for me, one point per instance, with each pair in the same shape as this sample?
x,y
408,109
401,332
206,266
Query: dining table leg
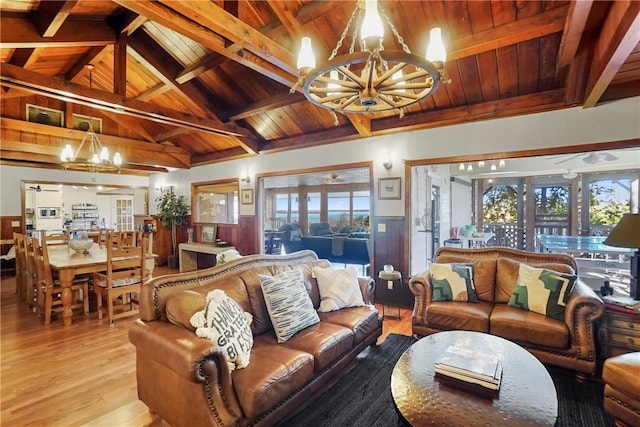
x,y
66,278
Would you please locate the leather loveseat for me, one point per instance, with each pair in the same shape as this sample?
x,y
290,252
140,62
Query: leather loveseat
x,y
185,379
568,343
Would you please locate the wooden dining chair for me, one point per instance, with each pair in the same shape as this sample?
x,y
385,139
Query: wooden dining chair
x,y
49,299
122,279
31,279
55,239
18,242
128,238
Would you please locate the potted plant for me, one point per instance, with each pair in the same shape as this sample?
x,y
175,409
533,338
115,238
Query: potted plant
x,y
173,212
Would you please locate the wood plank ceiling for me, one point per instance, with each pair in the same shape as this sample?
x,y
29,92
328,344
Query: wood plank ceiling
x,y
184,83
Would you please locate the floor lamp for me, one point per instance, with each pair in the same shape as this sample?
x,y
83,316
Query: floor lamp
x,y
626,234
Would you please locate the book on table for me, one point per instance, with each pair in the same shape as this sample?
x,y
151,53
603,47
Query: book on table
x,y
471,366
628,304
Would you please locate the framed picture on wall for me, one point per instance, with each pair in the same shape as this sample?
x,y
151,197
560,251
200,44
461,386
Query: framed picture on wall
x,y
208,233
246,197
389,188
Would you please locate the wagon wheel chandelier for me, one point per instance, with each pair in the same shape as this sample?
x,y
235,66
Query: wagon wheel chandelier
x,y
372,80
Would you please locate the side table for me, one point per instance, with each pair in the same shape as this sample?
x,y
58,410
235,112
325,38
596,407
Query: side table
x,y
388,280
618,333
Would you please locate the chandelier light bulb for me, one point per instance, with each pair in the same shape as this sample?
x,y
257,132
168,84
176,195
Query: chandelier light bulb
x,y
398,76
333,75
95,158
436,51
104,154
306,59
493,166
117,160
67,153
371,24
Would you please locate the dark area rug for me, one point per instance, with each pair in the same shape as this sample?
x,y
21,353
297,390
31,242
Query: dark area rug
x,y
363,397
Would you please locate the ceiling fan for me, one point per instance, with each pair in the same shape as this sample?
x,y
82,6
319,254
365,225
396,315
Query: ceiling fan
x,y
592,158
333,179
569,174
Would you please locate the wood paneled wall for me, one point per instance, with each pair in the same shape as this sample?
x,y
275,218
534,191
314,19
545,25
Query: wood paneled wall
x,y
388,247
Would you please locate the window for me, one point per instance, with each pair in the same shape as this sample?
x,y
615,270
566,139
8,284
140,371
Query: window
x,y
215,202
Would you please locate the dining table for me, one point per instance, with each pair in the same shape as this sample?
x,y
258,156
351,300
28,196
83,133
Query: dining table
x,y
69,263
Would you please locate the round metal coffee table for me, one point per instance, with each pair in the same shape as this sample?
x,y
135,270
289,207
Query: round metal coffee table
x,y
527,395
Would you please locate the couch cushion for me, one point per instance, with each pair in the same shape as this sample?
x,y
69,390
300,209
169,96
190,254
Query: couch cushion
x,y
288,303
339,288
452,282
277,371
182,305
223,321
484,274
542,291
507,271
528,327
325,341
459,315
362,321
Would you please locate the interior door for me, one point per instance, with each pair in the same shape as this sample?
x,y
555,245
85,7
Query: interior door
x,y
123,212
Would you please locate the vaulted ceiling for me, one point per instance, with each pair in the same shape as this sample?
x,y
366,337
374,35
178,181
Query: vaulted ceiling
x,y
184,83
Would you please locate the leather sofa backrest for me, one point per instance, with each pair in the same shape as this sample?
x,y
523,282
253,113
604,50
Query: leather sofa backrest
x,y
154,293
507,273
484,274
496,268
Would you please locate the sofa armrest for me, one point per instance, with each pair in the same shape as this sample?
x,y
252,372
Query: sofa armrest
x,y
184,353
420,286
367,287
583,308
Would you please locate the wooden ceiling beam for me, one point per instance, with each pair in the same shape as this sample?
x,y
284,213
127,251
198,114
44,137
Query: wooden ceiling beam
x,y
574,26
58,88
216,19
25,58
264,106
173,134
153,92
19,32
619,35
120,66
220,156
126,22
42,162
178,23
50,16
79,68
535,26
287,17
526,104
135,150
138,126
155,59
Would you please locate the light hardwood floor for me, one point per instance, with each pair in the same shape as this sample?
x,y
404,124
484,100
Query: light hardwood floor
x,y
79,375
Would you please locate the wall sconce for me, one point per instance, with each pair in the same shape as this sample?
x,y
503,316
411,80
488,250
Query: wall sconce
x,y
387,164
246,179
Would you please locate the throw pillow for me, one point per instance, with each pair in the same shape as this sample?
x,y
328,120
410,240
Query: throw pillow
x,y
542,291
224,322
452,282
288,303
339,288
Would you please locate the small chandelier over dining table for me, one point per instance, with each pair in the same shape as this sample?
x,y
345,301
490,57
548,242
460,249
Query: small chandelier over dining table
x,y
374,79
98,159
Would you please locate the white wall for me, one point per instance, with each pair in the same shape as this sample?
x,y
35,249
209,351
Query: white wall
x,y
608,122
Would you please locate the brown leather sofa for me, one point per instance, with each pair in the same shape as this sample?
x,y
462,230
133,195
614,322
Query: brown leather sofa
x,y
185,380
569,343
621,377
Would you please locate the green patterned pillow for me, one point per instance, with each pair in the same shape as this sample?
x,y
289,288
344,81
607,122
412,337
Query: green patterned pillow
x,y
452,282
542,291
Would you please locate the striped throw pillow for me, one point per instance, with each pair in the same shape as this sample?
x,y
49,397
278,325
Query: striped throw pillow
x,y
288,303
